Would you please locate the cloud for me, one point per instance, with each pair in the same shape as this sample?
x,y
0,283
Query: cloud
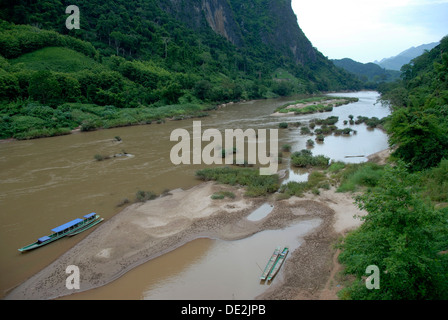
x,y
368,30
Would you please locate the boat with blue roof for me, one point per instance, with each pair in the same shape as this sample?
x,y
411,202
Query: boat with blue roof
x,y
67,229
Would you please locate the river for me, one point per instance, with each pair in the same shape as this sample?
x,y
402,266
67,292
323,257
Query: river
x,y
47,182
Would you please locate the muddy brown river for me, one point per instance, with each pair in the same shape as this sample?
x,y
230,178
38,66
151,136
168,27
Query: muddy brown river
x,y
47,182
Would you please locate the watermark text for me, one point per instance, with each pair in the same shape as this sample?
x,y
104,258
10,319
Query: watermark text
x,y
189,149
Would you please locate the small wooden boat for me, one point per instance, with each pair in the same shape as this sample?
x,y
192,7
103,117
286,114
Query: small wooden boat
x,y
278,263
270,264
74,226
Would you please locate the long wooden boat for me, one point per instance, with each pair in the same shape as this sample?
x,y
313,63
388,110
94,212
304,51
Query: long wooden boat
x,y
63,230
270,263
278,263
90,225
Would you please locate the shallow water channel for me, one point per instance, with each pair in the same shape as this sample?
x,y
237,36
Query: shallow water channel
x,y
47,182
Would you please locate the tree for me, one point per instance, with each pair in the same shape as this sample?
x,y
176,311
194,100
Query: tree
x,y
403,235
44,87
420,139
9,86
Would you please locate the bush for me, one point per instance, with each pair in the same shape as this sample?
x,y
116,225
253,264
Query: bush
x,y
310,143
403,235
283,125
336,166
222,195
315,181
143,196
360,175
257,185
331,120
305,130
304,158
294,188
286,148
435,182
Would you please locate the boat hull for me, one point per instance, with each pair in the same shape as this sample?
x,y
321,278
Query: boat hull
x,y
281,258
90,225
270,264
80,227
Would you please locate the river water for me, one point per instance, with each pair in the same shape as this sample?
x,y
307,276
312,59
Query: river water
x,y
47,182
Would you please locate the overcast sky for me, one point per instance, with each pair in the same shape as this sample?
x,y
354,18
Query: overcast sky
x,y
368,30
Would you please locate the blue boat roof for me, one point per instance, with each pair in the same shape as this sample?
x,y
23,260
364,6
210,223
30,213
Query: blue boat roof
x,y
66,225
44,238
89,215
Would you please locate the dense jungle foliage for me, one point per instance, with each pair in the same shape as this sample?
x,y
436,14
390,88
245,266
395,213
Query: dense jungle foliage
x,y
144,55
405,231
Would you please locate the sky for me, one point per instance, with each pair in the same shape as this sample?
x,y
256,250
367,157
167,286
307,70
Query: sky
x,y
369,30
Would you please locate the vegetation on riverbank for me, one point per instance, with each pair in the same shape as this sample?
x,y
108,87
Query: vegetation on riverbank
x,y
404,235
141,66
31,120
405,230
314,104
256,184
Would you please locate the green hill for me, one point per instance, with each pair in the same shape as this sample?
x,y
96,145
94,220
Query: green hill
x,y
155,53
56,59
369,73
418,127
406,225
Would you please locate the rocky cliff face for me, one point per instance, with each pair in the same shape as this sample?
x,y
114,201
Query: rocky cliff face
x,y
215,14
270,22
287,33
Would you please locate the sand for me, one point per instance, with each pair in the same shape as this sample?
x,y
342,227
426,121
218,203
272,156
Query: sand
x,y
144,231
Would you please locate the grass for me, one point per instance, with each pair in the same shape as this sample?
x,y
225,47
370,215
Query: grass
x,y
335,167
256,184
435,182
56,59
222,195
357,176
316,180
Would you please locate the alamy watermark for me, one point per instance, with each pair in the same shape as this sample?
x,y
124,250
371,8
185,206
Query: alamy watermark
x,y
373,280
72,22
189,149
73,280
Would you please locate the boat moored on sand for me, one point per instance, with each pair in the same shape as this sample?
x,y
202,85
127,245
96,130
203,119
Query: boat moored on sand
x,y
278,263
67,229
270,264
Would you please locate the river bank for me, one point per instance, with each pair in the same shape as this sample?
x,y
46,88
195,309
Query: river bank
x,y
60,178
142,232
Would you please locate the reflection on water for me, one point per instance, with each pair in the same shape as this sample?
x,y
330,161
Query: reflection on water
x,y
260,212
297,175
231,269
132,285
47,182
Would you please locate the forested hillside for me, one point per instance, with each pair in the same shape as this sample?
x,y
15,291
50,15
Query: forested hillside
x,y
138,54
370,74
405,233
418,127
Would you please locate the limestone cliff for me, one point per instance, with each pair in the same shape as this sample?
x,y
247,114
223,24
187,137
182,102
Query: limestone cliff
x,y
216,14
247,22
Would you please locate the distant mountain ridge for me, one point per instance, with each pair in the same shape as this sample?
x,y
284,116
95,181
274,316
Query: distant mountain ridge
x,y
396,62
369,73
